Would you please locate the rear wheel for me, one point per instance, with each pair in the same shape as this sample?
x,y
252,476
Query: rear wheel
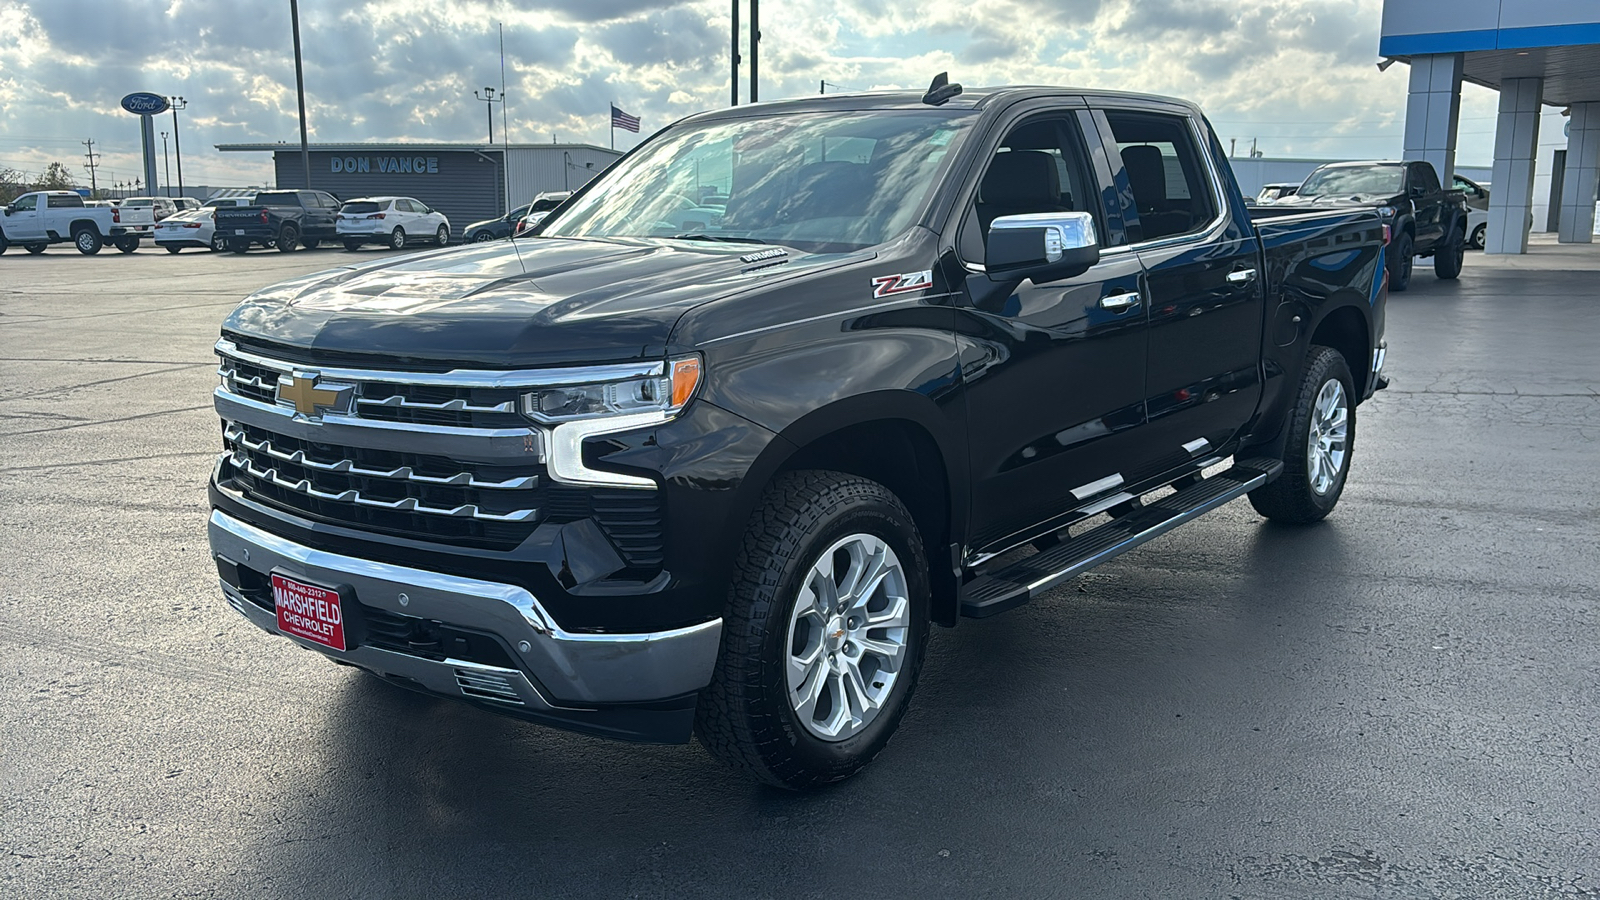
x,y
311,243
87,240
1400,266
826,626
239,246
443,235
397,240
36,249
1322,436
482,236
288,239
1448,256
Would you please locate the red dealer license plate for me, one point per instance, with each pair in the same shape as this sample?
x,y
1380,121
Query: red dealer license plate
x,y
309,611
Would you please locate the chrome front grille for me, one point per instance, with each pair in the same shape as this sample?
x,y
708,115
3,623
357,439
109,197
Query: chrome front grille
x,y
439,457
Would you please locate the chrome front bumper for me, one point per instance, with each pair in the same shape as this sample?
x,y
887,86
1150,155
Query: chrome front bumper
x,y
560,671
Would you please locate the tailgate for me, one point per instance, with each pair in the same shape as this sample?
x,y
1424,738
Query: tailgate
x,y
241,217
134,215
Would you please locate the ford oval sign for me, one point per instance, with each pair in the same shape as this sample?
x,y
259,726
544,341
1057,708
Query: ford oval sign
x,y
144,103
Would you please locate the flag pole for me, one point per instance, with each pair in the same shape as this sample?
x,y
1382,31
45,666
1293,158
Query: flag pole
x,y
613,116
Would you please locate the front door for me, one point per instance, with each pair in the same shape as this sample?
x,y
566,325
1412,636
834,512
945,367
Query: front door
x,y
1054,371
26,222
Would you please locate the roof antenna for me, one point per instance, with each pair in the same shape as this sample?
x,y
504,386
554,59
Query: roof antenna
x,y
941,90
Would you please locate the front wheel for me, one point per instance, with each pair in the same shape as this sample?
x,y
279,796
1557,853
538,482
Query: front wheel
x,y
1322,437
35,249
1448,257
312,243
482,237
127,245
1400,266
1480,235
174,249
826,626
352,246
239,246
219,243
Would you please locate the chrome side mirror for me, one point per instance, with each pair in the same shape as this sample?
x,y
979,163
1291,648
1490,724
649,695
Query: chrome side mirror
x,y
1041,246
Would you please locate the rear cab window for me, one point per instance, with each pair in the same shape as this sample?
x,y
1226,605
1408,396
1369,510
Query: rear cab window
x,y
1165,172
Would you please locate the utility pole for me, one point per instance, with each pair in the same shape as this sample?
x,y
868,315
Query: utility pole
x,y
735,79
1232,145
755,50
489,100
167,162
300,90
91,165
177,145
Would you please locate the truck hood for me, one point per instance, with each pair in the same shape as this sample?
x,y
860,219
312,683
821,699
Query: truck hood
x,y
1349,200
511,304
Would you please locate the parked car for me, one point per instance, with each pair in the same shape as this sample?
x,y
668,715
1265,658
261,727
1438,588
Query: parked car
x,y
191,228
723,482
1477,196
1426,219
186,204
286,220
160,207
540,209
42,218
1272,193
391,221
498,227
231,202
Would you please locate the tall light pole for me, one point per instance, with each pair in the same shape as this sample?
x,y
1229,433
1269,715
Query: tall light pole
x,y
177,145
735,56
489,100
300,90
166,162
755,50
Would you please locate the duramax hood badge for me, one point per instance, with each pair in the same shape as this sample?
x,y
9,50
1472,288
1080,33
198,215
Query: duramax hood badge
x,y
759,255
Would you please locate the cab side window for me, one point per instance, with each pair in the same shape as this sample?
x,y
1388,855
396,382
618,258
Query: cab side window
x,y
1039,167
1422,176
27,204
1166,173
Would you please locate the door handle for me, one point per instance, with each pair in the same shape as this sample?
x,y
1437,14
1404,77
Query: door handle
x,y
1242,276
1119,302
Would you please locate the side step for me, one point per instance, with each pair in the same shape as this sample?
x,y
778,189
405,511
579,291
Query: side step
x,y
1019,582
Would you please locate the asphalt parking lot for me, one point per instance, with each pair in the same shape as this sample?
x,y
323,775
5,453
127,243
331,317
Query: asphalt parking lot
x,y
1400,702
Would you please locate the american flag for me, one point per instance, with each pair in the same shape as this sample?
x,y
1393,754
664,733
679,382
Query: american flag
x,y
620,119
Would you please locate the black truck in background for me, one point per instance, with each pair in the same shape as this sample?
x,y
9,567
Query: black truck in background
x,y
286,220
1425,218
935,354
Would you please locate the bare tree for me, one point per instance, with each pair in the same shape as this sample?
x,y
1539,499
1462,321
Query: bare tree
x,y
11,185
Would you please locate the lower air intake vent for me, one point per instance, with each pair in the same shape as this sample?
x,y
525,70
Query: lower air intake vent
x,y
487,686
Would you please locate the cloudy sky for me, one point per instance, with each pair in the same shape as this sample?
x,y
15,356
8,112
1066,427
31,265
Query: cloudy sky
x,y
1296,75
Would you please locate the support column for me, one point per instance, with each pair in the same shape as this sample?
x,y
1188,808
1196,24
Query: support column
x,y
1516,144
1582,174
1433,109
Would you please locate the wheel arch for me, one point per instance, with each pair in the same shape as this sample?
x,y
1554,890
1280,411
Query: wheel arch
x,y
77,225
1345,329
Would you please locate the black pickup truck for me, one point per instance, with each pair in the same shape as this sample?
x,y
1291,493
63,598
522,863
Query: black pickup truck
x,y
286,220
1426,219
935,354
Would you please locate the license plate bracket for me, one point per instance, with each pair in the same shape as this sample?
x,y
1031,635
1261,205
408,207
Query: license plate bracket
x,y
314,612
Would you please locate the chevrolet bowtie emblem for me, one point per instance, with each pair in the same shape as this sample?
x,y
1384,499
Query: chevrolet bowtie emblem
x,y
300,390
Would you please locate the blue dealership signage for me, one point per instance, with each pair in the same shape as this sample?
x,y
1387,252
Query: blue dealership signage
x,y
144,103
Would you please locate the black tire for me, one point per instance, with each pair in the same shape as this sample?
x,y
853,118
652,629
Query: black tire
x,y
482,237
397,239
1480,236
219,243
4,243
1402,251
174,249
288,239
311,243
87,240
744,717
35,249
128,245
237,246
1293,497
352,246
1448,256
442,236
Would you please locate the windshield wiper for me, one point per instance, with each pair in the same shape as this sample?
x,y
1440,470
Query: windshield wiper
x,y
717,237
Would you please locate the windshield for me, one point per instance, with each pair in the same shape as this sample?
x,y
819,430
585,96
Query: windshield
x,y
819,181
1352,180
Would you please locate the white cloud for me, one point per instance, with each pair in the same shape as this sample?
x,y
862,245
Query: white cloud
x,y
1297,75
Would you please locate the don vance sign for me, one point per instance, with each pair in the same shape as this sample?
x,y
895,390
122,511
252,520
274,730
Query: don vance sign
x,y
388,165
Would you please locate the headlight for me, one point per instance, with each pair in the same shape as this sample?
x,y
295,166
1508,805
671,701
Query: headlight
x,y
1386,211
666,393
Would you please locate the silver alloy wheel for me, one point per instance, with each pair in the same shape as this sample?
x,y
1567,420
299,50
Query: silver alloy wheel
x,y
847,637
1328,443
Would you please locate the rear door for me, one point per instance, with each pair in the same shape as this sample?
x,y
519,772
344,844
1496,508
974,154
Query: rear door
x,y
1201,281
1428,199
1054,370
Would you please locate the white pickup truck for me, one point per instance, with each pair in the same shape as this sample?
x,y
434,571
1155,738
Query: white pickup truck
x,y
42,218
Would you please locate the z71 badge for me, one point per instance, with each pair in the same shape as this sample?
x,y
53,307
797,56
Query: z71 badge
x,y
889,285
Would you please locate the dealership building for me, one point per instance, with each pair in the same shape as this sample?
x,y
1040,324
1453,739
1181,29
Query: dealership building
x,y
466,182
1543,56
